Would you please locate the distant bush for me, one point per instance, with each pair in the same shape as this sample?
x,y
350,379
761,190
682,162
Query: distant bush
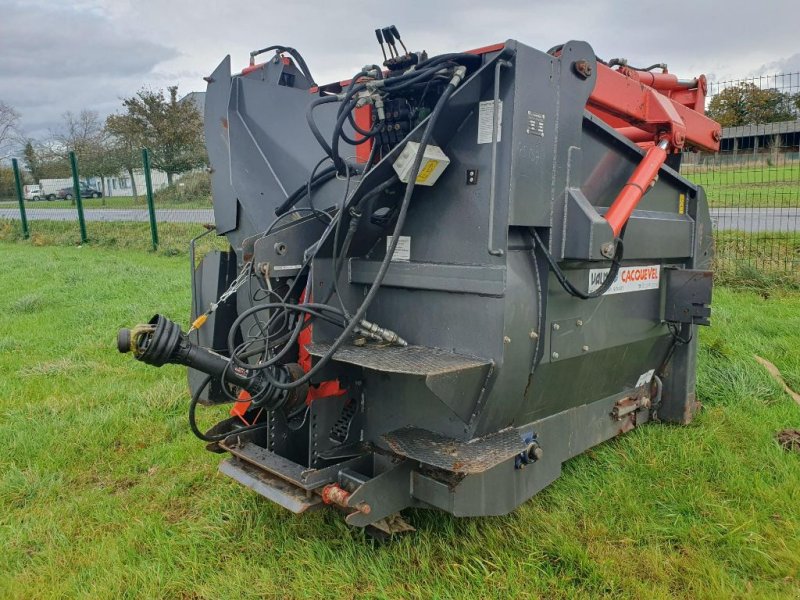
x,y
191,187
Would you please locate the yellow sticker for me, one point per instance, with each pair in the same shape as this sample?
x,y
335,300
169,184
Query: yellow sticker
x,y
427,170
681,204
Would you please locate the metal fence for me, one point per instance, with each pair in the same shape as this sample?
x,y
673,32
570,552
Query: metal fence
x,y
752,183
139,208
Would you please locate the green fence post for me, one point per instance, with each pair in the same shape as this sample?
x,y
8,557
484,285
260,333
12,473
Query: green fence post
x,y
150,204
18,184
76,190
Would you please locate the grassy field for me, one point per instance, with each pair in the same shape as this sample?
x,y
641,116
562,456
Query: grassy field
x,y
748,185
173,237
104,492
117,202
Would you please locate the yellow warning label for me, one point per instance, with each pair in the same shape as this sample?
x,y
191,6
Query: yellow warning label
x,y
681,204
427,170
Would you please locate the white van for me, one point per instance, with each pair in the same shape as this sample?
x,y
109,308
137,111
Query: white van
x,y
34,193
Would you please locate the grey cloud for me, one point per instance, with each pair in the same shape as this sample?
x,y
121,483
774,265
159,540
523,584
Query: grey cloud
x,y
55,58
160,42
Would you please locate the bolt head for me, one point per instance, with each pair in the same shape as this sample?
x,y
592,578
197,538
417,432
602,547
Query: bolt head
x,y
579,323
533,335
585,348
556,326
555,355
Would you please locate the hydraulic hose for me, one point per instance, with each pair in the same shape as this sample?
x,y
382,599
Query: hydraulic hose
x,y
401,218
162,342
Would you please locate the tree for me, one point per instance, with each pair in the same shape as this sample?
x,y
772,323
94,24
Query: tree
x,y
171,129
9,129
127,140
45,160
83,134
32,161
747,104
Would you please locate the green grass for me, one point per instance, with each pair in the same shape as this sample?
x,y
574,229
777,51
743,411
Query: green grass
x,y
756,185
757,260
104,492
118,203
173,238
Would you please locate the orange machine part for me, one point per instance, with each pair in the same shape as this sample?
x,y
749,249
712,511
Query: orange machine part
x,y
326,389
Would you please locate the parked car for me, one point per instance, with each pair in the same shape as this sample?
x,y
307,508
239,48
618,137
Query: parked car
x,y
86,192
34,193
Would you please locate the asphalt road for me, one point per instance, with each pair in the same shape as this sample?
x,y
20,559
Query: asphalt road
x,y
743,219
200,215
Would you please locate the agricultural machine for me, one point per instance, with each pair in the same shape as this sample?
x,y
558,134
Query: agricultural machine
x,y
447,275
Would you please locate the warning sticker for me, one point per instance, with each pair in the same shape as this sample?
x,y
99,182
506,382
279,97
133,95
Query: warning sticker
x,y
645,378
486,121
402,252
426,171
629,279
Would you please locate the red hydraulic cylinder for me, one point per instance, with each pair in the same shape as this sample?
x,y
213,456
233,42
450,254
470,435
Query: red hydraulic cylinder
x,y
638,183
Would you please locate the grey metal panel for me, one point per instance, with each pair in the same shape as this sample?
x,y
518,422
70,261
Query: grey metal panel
x,y
464,279
658,235
273,488
585,230
409,360
226,208
474,456
539,163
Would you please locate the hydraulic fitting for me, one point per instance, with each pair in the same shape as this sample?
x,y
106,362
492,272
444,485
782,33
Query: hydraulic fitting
x,y
161,342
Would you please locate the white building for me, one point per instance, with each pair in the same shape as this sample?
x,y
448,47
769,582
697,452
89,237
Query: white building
x,y
118,186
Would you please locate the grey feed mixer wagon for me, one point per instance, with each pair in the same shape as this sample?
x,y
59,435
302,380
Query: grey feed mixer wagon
x,y
447,275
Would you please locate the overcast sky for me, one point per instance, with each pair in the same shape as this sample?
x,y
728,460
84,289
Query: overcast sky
x,y
69,55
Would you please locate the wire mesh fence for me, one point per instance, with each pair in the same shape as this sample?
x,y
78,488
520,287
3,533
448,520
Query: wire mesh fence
x,y
139,208
752,183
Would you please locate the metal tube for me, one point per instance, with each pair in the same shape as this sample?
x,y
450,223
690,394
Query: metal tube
x,y
493,177
76,190
151,209
18,185
638,183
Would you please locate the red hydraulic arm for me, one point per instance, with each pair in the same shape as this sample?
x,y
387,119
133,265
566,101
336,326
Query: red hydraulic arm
x,y
659,112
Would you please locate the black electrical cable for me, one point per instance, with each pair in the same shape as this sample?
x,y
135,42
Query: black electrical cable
x,y
568,286
322,177
313,309
193,421
313,125
301,63
378,281
309,194
310,315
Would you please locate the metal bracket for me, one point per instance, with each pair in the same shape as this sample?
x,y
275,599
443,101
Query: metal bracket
x,y
688,296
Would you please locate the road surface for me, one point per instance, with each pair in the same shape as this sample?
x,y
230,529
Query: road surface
x,y
743,219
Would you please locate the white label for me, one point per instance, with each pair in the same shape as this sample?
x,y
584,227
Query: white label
x,y
486,121
629,279
402,252
286,267
645,378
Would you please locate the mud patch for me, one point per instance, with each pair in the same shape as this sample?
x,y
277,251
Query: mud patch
x,y
789,440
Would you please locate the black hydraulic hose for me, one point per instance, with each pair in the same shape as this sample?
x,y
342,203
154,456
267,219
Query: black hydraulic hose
x,y
313,125
323,176
310,309
401,218
193,420
452,56
301,63
338,162
568,286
